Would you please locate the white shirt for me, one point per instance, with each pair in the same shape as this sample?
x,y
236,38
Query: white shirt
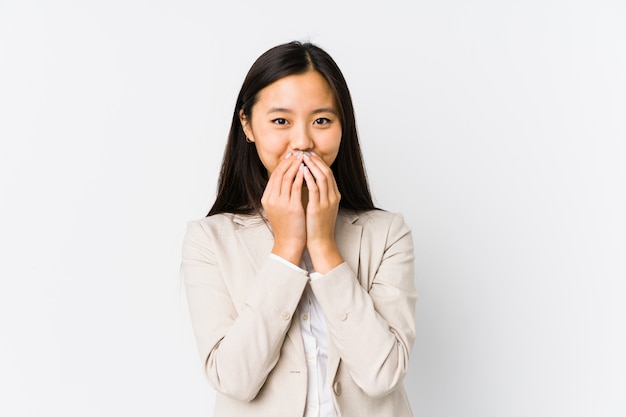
x,y
319,401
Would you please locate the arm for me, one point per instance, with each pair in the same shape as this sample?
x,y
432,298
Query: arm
x,y
239,348
374,331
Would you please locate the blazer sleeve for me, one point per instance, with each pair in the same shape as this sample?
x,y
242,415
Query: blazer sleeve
x,y
374,331
238,348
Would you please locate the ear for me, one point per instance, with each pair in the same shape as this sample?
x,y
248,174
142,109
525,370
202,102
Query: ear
x,y
245,125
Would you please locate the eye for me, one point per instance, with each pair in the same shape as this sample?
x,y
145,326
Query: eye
x,y
322,121
279,121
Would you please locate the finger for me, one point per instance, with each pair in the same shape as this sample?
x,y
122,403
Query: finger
x,y
296,187
280,169
273,189
275,180
311,185
289,177
328,173
320,172
317,165
284,163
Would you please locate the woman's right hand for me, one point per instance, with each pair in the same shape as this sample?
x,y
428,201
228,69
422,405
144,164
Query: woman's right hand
x,y
282,202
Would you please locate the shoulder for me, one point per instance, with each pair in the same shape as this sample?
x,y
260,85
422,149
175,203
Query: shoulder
x,y
377,219
206,231
224,222
380,226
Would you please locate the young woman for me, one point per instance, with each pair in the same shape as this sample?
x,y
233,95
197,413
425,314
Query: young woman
x,y
301,292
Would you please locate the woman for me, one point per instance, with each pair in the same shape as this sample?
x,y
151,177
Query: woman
x,y
301,292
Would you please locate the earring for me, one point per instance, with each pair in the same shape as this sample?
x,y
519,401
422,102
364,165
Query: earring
x,y
248,140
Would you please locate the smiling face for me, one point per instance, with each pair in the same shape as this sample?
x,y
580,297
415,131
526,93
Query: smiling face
x,y
295,113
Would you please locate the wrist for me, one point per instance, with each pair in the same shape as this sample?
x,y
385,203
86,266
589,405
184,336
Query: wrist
x,y
325,257
291,252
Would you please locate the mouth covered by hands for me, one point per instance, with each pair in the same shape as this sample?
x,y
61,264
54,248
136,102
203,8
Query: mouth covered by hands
x,y
299,220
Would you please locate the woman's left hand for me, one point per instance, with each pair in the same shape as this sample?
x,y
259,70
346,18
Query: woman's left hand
x,y
321,214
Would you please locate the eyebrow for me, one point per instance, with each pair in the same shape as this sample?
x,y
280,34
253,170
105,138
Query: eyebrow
x,y
316,111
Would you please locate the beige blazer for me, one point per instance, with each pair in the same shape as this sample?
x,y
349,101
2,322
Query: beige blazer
x,y
242,303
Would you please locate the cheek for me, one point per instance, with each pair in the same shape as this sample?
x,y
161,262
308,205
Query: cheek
x,y
329,159
331,147
270,152
269,160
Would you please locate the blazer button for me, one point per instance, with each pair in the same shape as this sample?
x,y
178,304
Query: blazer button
x,y
343,317
337,388
285,315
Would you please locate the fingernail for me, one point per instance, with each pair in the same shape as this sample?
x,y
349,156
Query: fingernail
x,y
288,155
307,156
300,154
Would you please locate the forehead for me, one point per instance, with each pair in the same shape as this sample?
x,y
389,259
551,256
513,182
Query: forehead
x,y
309,88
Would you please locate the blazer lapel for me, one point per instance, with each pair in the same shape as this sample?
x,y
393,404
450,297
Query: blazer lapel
x,y
255,237
348,237
257,240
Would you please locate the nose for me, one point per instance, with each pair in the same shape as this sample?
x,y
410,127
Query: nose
x,y
301,139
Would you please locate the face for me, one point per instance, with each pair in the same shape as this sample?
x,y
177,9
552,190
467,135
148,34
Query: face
x,y
295,113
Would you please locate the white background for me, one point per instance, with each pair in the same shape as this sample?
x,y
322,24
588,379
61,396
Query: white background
x,y
497,127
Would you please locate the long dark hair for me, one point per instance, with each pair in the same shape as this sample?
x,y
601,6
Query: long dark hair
x,y
243,177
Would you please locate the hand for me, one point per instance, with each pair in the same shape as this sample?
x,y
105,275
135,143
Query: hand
x,y
321,214
282,202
